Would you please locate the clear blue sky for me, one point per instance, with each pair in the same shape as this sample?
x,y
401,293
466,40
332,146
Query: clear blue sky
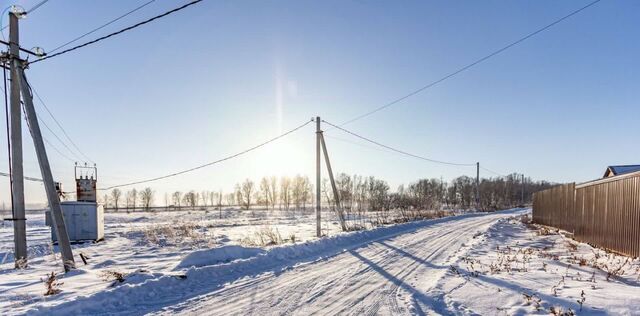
x,y
225,75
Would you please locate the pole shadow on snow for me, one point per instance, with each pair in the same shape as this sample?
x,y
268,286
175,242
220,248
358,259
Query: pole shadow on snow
x,y
411,256
416,294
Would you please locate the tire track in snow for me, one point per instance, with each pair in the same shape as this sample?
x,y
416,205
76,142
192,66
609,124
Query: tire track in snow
x,y
364,280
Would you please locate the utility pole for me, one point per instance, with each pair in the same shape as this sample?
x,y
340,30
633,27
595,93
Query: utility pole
x,y
17,179
318,195
477,186
522,191
336,196
20,84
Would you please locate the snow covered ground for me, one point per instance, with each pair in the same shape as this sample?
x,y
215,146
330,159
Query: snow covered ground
x,y
197,263
142,244
519,269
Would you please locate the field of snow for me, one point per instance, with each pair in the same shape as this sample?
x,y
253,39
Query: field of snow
x,y
141,244
145,245
199,262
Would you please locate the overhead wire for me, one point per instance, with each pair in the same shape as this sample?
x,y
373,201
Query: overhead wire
x,y
468,66
35,7
64,132
44,138
5,174
117,32
491,171
51,131
101,26
398,150
209,163
403,152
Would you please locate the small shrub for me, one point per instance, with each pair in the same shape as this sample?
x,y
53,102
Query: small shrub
x,y
112,275
266,236
52,284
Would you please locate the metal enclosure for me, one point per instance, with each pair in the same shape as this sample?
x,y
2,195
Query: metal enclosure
x,y
84,221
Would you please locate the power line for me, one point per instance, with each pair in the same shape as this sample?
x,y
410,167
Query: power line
x,y
60,140
57,150
5,174
398,150
491,171
209,163
64,132
522,39
118,32
102,26
52,132
359,144
35,7
46,140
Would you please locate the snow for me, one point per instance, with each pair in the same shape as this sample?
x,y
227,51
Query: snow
x,y
219,255
520,269
200,262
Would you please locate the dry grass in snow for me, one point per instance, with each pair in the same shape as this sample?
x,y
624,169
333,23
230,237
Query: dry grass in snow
x,y
518,268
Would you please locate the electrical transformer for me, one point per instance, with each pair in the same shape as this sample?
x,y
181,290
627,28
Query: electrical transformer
x,y
83,218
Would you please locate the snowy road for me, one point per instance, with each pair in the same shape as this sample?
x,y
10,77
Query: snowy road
x,y
390,275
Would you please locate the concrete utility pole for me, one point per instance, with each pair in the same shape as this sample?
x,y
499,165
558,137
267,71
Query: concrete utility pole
x,y
17,179
522,191
477,186
336,196
318,195
47,177
19,84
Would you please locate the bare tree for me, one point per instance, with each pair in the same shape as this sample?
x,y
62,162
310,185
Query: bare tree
x,y
297,188
131,198
190,199
219,195
204,196
307,190
177,198
115,197
105,200
231,199
267,191
246,193
146,198
285,193
134,197
273,191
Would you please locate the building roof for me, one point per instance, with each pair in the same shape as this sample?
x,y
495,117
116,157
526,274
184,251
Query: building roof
x,y
618,170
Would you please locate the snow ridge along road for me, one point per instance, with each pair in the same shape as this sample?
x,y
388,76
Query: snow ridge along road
x,y
389,270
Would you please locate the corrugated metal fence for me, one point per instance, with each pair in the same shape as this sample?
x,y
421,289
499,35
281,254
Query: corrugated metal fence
x,y
605,212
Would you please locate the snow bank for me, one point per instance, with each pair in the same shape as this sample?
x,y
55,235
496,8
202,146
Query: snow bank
x,y
215,256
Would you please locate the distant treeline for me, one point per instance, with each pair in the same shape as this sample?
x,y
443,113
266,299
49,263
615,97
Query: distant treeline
x,y
357,194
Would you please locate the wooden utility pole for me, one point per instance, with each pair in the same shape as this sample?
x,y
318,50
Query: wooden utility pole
x,y
20,84
336,196
17,182
318,195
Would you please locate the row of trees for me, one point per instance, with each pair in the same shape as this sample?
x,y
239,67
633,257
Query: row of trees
x,y
358,194
131,199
